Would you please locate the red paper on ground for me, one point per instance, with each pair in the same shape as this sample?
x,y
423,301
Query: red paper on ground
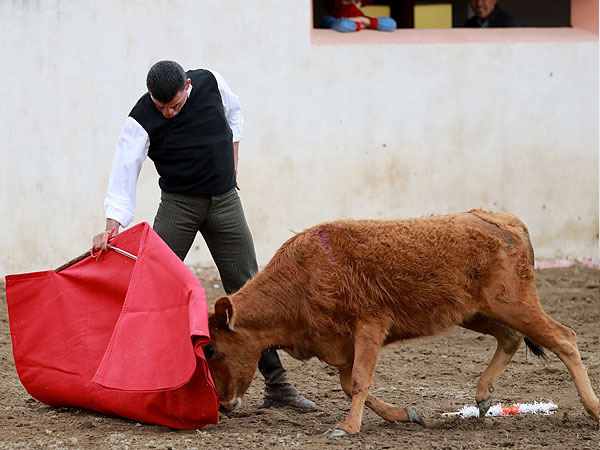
x,y
115,335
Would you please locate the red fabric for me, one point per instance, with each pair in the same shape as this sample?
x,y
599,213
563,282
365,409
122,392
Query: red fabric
x,y
115,335
345,10
341,10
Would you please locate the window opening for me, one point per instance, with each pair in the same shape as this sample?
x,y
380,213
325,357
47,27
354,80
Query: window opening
x,y
454,13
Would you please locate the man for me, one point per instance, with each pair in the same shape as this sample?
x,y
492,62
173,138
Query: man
x,y
190,124
346,15
488,14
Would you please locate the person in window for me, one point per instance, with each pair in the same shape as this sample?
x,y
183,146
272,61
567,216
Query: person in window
x,y
488,14
345,16
190,124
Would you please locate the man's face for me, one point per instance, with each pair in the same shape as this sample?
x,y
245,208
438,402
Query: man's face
x,y
482,8
172,108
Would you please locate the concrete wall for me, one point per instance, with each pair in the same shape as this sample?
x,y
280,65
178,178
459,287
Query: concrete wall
x,y
331,131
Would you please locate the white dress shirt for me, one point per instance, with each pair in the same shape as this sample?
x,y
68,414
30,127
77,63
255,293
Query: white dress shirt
x,y
132,150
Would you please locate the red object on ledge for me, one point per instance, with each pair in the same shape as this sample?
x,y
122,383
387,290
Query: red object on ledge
x,y
115,335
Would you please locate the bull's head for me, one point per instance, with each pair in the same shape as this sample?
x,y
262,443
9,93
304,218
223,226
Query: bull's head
x,y
231,355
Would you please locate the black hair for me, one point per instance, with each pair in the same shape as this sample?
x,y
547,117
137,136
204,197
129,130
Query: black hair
x,y
165,79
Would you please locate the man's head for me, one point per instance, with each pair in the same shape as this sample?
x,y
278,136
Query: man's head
x,y
167,84
483,8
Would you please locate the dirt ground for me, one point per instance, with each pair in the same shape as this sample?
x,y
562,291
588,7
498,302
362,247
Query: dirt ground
x,y
434,375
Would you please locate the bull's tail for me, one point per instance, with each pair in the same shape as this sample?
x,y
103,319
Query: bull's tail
x,y
536,349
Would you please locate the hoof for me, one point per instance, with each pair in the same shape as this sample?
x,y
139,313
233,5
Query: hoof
x,y
484,406
336,432
413,415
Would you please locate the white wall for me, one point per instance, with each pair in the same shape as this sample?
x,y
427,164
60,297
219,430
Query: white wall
x,y
330,131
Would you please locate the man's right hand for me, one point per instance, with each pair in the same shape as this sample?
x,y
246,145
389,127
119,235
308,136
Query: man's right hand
x,y
100,241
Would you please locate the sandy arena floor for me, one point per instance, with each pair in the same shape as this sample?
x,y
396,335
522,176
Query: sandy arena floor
x,y
434,375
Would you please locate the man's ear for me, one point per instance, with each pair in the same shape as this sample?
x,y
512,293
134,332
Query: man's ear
x,y
223,316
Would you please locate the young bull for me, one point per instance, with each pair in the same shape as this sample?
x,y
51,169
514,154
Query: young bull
x,y
341,290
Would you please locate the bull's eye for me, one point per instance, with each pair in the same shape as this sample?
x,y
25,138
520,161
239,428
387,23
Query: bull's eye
x,y
209,351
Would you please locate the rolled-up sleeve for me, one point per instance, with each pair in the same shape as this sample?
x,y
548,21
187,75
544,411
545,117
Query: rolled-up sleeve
x,y
232,106
132,150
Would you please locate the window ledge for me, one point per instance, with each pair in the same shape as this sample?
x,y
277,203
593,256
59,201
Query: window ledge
x,y
452,36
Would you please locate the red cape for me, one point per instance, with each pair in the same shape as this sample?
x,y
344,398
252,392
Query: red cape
x,y
115,335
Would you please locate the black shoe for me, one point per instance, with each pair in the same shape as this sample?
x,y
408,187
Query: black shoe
x,y
285,395
279,392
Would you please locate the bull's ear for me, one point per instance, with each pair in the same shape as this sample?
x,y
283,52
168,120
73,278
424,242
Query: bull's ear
x,y
223,317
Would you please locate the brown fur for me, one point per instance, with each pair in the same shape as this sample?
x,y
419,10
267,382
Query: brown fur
x,y
341,290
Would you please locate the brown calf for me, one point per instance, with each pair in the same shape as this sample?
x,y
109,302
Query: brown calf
x,y
341,290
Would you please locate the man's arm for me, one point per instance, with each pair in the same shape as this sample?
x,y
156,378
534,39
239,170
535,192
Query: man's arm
x,y
233,114
120,201
231,106
235,156
235,162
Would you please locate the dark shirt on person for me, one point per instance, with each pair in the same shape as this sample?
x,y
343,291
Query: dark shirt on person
x,y
497,19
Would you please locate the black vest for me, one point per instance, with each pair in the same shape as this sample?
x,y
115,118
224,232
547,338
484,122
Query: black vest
x,y
193,151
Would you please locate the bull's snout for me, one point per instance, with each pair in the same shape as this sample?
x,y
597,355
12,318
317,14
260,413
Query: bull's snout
x,y
229,407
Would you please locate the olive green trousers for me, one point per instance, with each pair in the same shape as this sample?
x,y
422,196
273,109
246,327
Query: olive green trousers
x,y
221,221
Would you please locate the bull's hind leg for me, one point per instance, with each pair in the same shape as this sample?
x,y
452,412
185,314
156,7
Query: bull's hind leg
x,y
531,320
508,342
384,410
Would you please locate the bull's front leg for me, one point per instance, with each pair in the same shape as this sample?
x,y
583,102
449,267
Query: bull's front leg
x,y
388,412
368,339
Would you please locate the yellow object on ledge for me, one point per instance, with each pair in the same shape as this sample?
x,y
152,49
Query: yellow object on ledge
x,y
376,10
438,15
